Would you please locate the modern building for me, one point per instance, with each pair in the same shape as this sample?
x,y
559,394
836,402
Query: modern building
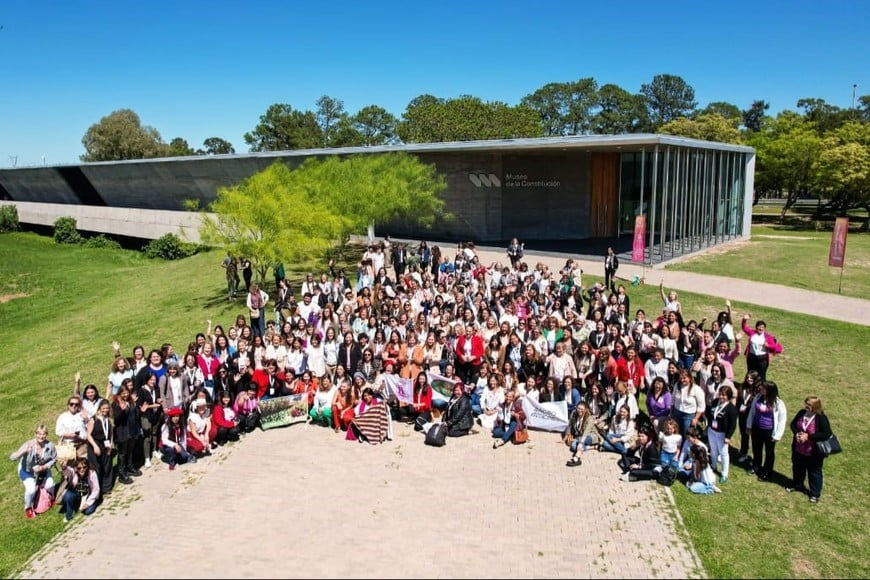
x,y
693,194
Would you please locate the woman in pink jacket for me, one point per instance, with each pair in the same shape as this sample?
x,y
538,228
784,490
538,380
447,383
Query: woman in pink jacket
x,y
759,347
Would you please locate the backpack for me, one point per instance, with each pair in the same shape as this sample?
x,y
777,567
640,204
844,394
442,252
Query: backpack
x,y
43,501
436,436
667,475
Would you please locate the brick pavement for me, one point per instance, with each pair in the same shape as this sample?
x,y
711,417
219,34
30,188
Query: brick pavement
x,y
400,509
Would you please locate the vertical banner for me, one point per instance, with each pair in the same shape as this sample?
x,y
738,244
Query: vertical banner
x,y
638,244
837,253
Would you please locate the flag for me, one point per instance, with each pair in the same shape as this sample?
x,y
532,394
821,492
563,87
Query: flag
x,y
283,411
547,416
402,389
442,387
638,244
837,253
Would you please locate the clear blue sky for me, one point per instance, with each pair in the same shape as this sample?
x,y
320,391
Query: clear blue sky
x,y
196,69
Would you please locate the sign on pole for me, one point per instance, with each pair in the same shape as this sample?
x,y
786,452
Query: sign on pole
x,y
638,245
837,254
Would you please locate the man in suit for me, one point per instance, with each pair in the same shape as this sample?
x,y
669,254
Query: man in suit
x,y
399,256
611,264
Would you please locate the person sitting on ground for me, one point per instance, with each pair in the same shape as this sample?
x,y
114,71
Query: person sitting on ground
x,y
198,429
246,407
621,434
225,422
371,421
173,439
511,418
642,460
458,416
581,434
82,489
701,479
35,459
321,410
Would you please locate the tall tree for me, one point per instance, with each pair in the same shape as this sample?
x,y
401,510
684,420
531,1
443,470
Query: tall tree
x,y
120,135
330,112
707,127
723,109
217,146
754,116
843,168
826,117
179,147
668,97
564,108
619,112
282,128
376,125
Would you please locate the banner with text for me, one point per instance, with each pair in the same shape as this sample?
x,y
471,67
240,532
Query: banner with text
x,y
638,244
547,416
283,411
402,389
442,387
837,253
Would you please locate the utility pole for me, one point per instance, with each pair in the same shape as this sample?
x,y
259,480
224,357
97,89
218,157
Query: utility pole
x,y
854,89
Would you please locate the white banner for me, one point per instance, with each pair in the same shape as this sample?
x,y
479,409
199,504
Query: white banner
x,y
442,387
546,416
402,389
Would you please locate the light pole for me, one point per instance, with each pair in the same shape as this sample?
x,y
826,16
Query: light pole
x,y
854,88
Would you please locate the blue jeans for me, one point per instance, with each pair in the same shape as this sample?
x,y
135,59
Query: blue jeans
x,y
475,403
505,435
701,488
684,420
586,443
669,459
172,456
72,501
618,447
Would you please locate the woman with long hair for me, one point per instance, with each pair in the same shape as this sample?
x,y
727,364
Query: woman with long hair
x,y
581,434
766,422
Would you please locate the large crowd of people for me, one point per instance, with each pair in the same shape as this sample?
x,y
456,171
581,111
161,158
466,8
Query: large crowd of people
x,y
657,389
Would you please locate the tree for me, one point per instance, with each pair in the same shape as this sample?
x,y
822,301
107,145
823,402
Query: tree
x,y
375,125
864,108
178,147
668,97
120,135
564,108
825,117
217,146
283,128
708,127
723,109
330,112
843,169
428,119
619,112
754,116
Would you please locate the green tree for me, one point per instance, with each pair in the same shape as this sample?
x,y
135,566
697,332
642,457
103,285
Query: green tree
x,y
217,146
332,119
619,112
178,147
564,108
466,118
754,116
863,112
723,109
843,168
708,127
282,128
825,117
375,125
120,135
668,97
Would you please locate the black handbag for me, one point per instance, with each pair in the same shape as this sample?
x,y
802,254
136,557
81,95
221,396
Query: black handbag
x,y
830,446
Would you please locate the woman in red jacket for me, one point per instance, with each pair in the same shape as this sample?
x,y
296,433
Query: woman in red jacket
x,y
225,422
469,356
760,347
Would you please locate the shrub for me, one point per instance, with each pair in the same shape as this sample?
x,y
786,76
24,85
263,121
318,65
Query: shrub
x,y
8,218
169,247
102,241
65,231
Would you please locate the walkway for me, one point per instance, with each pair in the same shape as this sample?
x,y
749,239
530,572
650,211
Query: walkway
x,y
399,510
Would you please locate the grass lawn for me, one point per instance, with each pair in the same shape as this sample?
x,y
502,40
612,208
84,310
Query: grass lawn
x,y
783,255
77,300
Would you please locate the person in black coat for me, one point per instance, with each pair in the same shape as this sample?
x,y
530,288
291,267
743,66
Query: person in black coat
x,y
459,418
611,265
641,459
809,426
349,354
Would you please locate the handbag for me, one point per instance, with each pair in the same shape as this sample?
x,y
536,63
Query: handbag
x,y
66,452
44,501
830,446
520,437
255,313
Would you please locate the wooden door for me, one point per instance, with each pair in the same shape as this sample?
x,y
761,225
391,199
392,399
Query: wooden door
x,y
604,195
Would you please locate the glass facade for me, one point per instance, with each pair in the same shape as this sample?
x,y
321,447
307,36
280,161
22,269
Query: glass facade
x,y
692,198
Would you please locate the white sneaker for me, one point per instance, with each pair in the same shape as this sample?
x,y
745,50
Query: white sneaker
x,y
147,463
716,489
624,477
157,455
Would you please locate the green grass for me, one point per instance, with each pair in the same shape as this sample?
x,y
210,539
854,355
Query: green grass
x,y
78,300
798,258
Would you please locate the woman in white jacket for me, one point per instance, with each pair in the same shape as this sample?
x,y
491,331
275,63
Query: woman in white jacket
x,y
766,422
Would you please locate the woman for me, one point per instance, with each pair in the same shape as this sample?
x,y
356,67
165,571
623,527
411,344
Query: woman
x,y
82,489
490,402
641,459
560,364
584,362
809,426
413,358
198,429
581,434
276,350
90,401
760,347
570,394
330,350
256,302
510,378
321,409
35,459
307,384
246,408
621,397
658,403
422,399
172,390
458,416
689,402
550,392
342,406
745,395
600,406
532,364
371,421
766,420
150,417
621,434
225,421
369,366
296,363
208,365
191,374
701,478
315,357
120,370
173,439
494,352
125,419
723,422
100,448
511,418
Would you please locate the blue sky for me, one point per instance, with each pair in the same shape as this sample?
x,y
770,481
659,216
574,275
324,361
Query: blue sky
x,y
196,69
